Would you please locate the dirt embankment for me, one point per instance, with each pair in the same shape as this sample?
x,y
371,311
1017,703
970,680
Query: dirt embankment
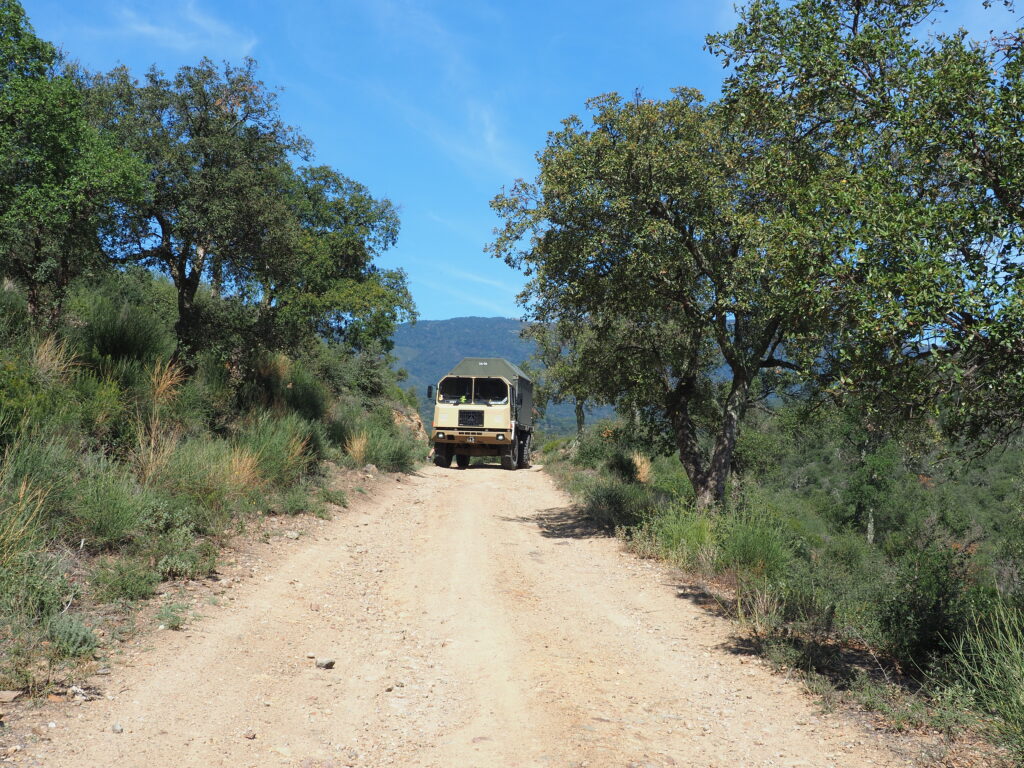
x,y
473,621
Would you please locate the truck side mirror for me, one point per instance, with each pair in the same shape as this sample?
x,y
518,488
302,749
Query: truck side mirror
x,y
430,391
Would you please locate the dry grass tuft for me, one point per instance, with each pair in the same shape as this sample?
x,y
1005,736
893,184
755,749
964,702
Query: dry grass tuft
x,y
244,471
18,523
153,448
166,379
642,467
356,448
53,359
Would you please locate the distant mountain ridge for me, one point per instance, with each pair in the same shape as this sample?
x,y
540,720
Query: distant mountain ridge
x,y
428,349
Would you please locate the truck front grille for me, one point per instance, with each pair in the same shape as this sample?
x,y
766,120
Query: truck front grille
x,y
471,418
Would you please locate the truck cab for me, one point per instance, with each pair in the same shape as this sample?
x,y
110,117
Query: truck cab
x,y
483,407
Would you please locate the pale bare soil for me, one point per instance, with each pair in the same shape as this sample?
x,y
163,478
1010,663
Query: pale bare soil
x,y
474,621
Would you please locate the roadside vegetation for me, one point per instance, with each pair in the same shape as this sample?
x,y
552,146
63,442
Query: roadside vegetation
x,y
190,325
804,300
888,580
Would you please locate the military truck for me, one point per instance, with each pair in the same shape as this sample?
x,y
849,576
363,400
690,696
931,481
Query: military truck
x,y
483,407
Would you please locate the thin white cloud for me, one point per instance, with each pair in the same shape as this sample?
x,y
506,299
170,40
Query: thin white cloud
x,y
501,310
476,140
469,276
184,26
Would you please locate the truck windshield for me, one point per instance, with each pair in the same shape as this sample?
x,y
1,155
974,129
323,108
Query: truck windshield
x,y
490,392
455,389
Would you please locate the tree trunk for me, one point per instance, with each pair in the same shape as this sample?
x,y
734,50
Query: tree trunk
x,y
708,477
581,417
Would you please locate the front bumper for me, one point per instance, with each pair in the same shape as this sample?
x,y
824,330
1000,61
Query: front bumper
x,y
463,436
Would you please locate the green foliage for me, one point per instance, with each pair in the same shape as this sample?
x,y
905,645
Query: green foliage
x,y
58,173
142,417
123,332
987,663
332,496
108,510
70,637
611,503
172,615
124,579
928,605
754,545
281,445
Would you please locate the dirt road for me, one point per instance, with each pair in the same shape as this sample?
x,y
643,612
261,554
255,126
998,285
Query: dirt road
x,y
473,622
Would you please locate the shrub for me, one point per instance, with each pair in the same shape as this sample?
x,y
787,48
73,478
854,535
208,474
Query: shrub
x,y
108,510
611,502
343,422
281,446
298,500
753,545
392,449
179,555
686,536
123,331
213,474
335,497
927,608
124,578
69,636
172,615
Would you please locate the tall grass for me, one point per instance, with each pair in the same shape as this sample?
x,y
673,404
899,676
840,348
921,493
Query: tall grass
x,y
989,660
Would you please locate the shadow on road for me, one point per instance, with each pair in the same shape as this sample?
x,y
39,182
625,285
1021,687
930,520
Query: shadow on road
x,y
562,523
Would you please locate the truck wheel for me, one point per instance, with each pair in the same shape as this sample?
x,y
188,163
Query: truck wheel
x,y
524,452
462,460
511,459
443,459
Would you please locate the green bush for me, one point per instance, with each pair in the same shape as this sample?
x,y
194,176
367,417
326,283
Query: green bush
x,y
69,636
109,508
179,555
685,535
124,578
123,331
281,445
172,615
611,503
753,544
928,606
391,449
298,500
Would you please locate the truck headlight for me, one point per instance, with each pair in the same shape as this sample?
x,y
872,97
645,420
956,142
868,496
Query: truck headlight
x,y
501,437
440,435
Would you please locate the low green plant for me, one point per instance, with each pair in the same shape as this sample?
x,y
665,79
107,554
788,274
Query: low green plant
x,y
610,502
69,636
299,500
172,615
281,446
124,579
179,555
334,496
109,509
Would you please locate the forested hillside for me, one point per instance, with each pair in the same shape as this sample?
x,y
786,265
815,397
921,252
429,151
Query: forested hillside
x,y
428,349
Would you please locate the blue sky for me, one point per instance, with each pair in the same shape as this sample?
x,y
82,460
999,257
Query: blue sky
x,y
435,105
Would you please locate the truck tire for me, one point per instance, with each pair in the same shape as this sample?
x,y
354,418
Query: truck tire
x,y
462,460
511,459
524,451
443,459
